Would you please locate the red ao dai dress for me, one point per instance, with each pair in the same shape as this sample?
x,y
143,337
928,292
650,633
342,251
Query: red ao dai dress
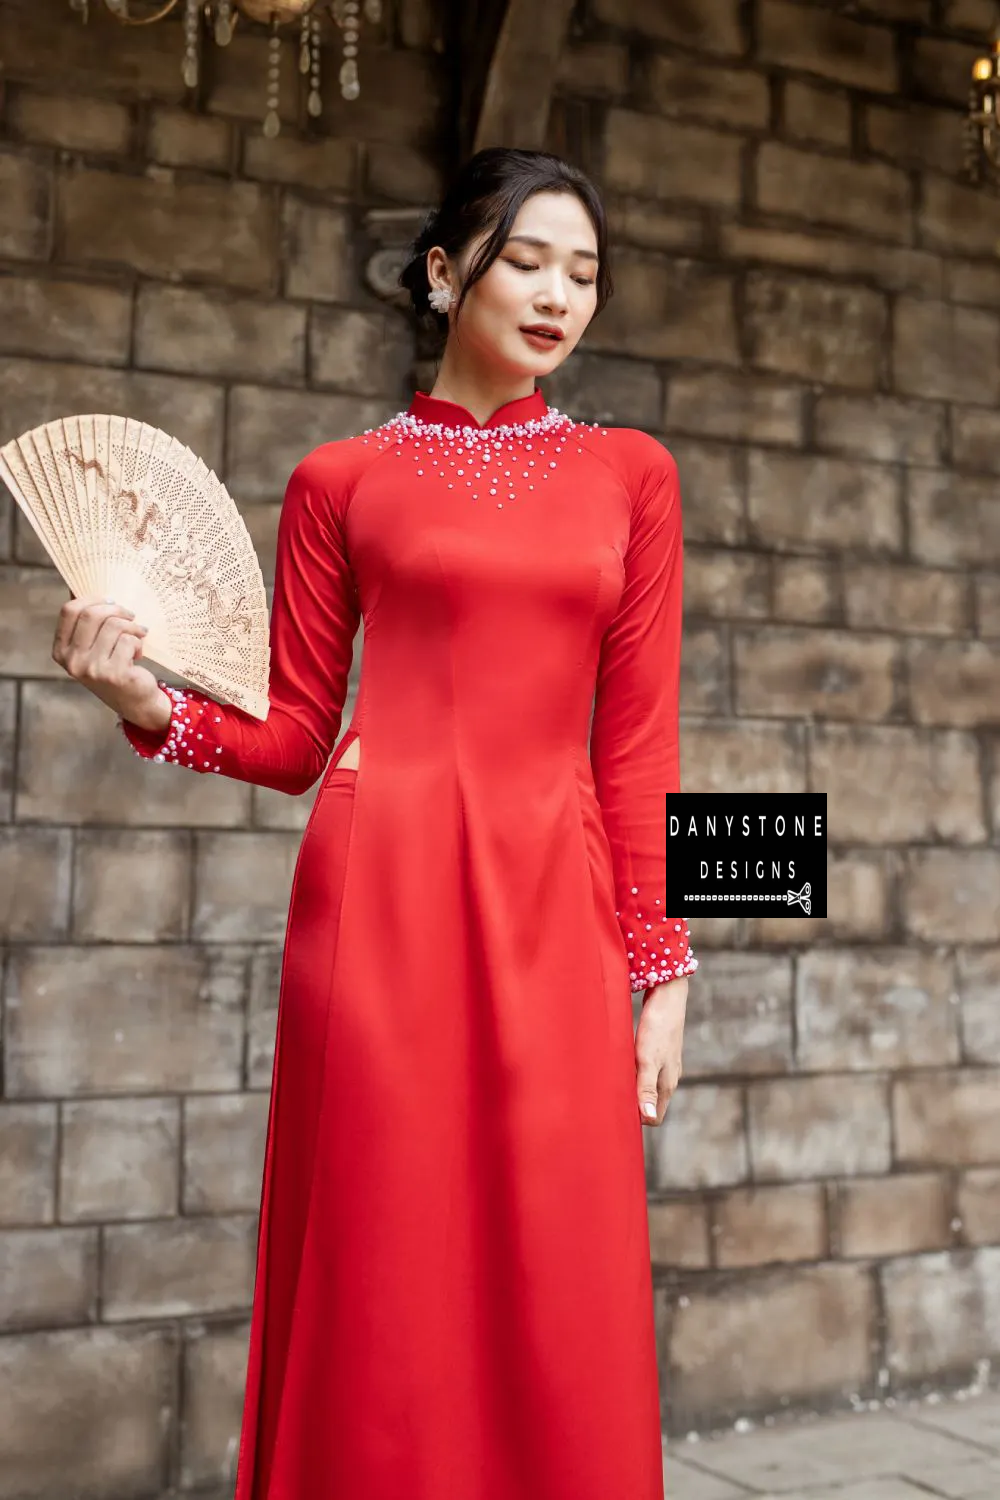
x,y
453,1296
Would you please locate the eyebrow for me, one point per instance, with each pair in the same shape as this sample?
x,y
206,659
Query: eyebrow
x,y
531,239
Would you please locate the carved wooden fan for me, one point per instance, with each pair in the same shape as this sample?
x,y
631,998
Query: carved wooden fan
x,y
129,513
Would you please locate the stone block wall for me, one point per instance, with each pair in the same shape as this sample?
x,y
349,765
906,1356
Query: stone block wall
x,y
808,312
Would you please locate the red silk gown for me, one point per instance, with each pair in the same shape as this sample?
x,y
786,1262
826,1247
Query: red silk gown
x,y
453,1295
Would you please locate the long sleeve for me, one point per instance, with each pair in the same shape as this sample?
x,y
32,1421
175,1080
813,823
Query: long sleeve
x,y
315,614
634,741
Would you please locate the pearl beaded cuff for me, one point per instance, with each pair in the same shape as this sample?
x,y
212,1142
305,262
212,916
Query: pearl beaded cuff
x,y
658,946
187,740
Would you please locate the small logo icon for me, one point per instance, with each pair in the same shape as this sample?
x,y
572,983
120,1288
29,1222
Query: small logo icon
x,y
802,897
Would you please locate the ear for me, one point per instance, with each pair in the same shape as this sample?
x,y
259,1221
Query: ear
x,y
438,270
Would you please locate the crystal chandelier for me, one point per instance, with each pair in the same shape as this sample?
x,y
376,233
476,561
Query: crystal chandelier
x,y
982,125
219,18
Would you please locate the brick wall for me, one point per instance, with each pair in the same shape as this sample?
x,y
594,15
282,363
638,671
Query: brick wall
x,y
808,312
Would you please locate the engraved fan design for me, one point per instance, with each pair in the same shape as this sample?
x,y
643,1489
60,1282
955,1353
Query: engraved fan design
x,y
129,513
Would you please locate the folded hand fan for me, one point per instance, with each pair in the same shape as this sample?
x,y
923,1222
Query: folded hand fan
x,y
128,513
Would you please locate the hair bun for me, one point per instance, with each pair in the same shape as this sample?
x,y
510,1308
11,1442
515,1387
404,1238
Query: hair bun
x,y
413,277
415,280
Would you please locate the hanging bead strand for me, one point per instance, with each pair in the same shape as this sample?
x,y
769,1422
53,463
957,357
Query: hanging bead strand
x,y
272,119
192,37
314,103
346,15
223,22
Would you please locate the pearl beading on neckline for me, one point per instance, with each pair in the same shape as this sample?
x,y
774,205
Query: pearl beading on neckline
x,y
463,455
658,963
407,423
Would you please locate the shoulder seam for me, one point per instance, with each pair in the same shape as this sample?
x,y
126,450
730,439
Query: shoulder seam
x,y
365,471
339,509
612,470
601,459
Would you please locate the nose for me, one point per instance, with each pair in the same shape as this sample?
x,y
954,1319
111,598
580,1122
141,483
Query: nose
x,y
552,298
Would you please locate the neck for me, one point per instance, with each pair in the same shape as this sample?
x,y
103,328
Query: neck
x,y
480,391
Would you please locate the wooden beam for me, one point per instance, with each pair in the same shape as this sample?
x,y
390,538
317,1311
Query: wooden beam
x,y
518,92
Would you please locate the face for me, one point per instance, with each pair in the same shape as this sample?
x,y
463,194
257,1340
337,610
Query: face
x,y
546,273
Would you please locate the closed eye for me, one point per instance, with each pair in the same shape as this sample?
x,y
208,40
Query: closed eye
x,y
521,265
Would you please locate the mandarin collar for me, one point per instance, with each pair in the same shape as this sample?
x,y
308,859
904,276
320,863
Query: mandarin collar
x,y
449,414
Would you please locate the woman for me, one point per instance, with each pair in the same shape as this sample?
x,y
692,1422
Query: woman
x,y
453,1298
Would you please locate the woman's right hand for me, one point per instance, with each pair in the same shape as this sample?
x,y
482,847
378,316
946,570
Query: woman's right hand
x,y
99,645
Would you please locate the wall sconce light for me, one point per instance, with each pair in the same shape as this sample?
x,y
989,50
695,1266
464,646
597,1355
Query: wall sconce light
x,y
982,125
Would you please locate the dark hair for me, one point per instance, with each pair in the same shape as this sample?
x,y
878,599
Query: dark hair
x,y
487,194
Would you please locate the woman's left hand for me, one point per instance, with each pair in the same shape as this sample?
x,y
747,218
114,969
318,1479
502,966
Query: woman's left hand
x,y
659,1041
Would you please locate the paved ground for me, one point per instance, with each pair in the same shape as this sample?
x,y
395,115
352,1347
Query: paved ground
x,y
940,1448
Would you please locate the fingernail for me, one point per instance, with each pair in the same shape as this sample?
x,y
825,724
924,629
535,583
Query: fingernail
x,y
649,1109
